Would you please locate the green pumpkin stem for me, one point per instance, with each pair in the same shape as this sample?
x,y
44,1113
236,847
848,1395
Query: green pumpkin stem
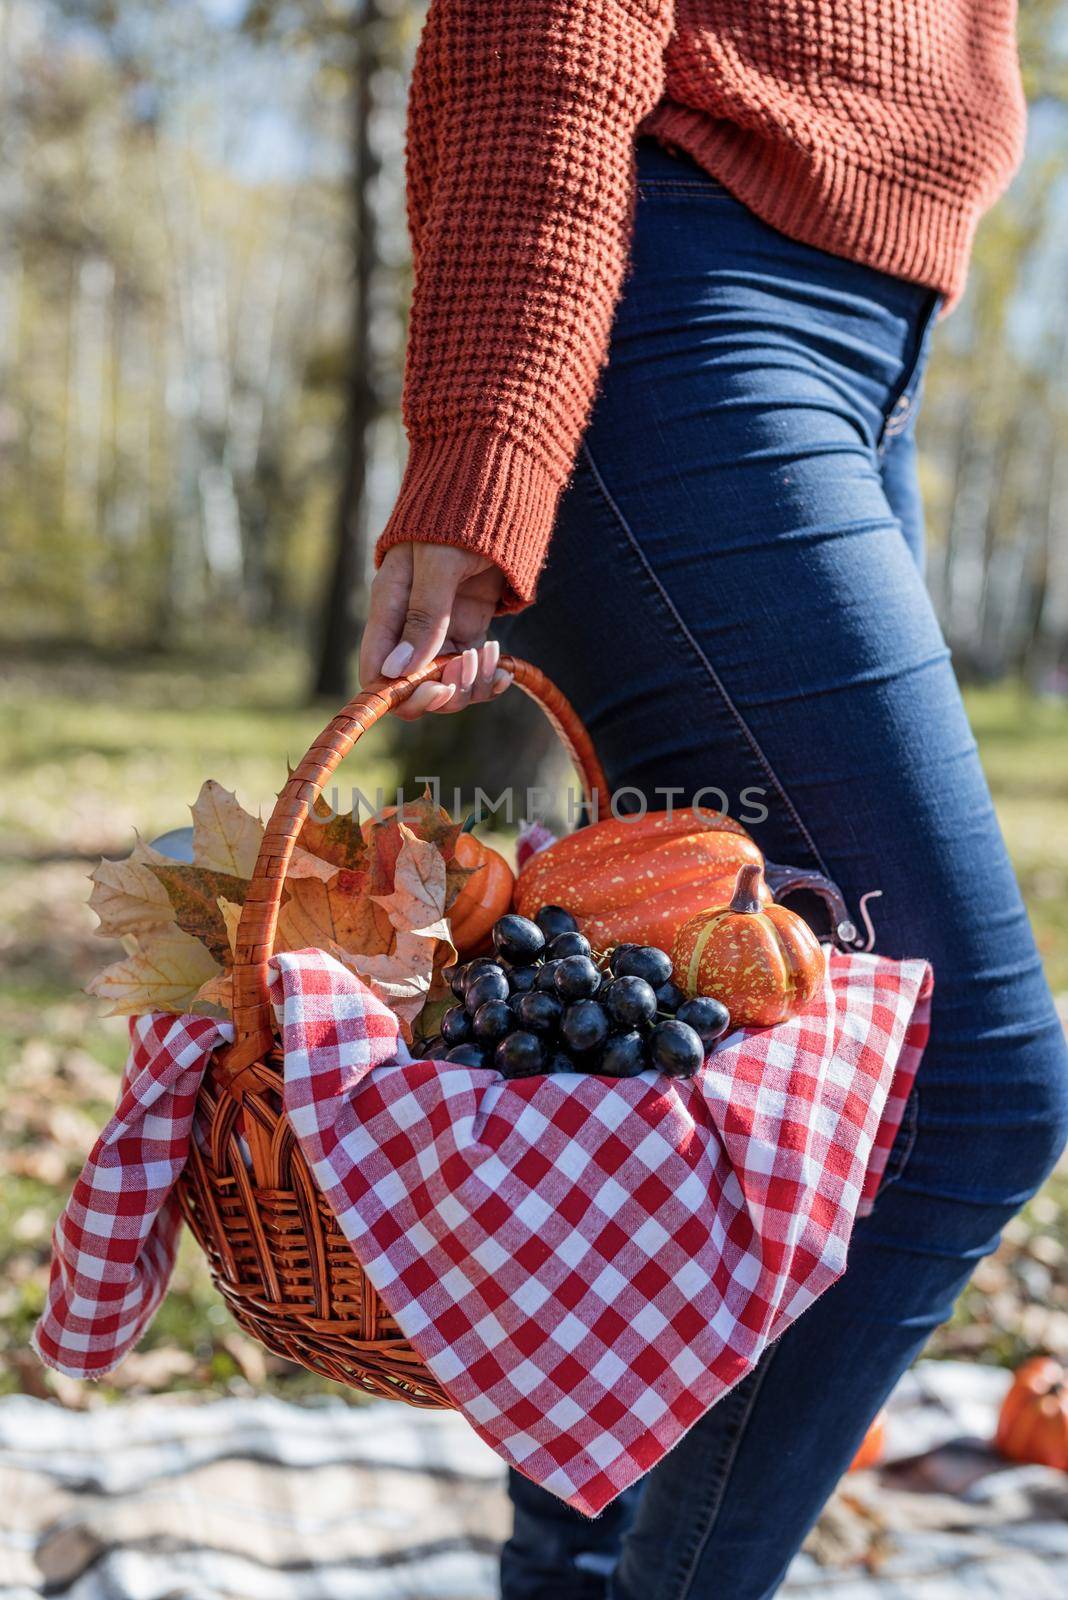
x,y
470,822
746,895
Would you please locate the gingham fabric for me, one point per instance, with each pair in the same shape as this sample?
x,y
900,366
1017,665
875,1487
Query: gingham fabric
x,y
585,1264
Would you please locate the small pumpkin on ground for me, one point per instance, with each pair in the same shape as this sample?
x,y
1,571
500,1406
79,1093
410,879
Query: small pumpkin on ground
x,y
763,961
635,880
872,1446
1033,1425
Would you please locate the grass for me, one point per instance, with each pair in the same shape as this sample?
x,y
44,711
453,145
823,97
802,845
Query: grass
x,y
94,750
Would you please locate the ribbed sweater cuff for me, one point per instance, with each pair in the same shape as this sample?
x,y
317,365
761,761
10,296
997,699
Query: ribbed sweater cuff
x,y
479,491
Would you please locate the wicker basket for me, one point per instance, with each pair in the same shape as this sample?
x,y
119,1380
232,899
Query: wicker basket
x,y
274,1247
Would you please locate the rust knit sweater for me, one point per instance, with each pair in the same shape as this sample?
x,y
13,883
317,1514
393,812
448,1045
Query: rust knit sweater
x,y
875,129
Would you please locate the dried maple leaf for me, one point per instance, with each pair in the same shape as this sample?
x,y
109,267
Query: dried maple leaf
x,y
165,973
427,821
340,911
230,911
226,838
127,896
303,864
194,892
334,838
218,991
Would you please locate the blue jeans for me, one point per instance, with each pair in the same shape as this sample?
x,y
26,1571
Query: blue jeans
x,y
734,597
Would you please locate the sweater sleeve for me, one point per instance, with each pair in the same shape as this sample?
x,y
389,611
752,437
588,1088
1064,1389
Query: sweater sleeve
x,y
521,130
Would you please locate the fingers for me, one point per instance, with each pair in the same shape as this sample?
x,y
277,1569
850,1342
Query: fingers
x,y
386,612
469,678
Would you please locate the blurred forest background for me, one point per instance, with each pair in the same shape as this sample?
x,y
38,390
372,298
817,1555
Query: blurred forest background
x,y
203,284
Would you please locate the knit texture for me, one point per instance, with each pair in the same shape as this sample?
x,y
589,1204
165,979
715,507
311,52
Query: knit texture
x,y
879,130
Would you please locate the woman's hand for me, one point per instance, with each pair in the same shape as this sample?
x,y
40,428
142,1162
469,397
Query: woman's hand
x,y
427,598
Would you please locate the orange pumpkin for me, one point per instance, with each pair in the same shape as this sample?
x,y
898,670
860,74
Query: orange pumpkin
x,y
1033,1425
485,896
637,879
872,1446
763,961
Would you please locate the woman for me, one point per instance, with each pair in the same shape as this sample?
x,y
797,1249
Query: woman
x,y
676,268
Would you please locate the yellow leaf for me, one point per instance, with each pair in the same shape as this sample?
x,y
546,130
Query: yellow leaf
x,y
225,837
165,973
127,896
231,915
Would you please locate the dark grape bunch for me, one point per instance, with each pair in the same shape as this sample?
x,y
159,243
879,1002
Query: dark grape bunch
x,y
546,1002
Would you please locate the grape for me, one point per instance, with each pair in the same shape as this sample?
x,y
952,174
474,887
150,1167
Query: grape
x,y
709,1018
646,961
491,1021
456,982
517,938
469,1055
630,1002
669,997
451,972
568,944
617,955
520,1055
538,1012
559,1061
491,985
676,1049
576,978
432,1049
553,920
584,1026
522,979
545,977
623,1056
456,1026
474,969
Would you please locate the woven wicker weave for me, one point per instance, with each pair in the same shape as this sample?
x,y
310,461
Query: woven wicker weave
x,y
274,1247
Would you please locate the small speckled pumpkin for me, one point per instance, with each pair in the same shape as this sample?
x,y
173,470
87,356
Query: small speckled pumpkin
x,y
763,961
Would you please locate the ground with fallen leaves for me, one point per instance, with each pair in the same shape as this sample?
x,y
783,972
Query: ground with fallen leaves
x,y
95,749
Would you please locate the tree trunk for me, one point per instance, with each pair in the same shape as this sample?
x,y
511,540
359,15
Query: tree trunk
x,y
343,602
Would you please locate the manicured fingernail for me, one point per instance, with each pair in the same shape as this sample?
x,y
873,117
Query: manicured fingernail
x,y
445,694
468,669
491,654
501,680
398,659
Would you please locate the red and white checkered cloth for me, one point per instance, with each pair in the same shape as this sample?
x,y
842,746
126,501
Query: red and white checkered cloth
x,y
585,1264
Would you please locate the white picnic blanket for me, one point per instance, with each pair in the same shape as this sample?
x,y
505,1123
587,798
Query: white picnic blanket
x,y
185,1499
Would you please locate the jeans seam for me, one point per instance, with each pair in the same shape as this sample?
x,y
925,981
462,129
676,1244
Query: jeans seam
x,y
707,1523
717,682
897,414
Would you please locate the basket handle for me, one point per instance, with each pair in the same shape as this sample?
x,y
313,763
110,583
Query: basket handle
x,y
259,916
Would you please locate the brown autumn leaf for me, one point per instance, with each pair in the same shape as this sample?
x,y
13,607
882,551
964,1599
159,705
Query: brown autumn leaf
x,y
226,838
429,822
340,911
165,973
194,892
334,838
218,991
127,896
